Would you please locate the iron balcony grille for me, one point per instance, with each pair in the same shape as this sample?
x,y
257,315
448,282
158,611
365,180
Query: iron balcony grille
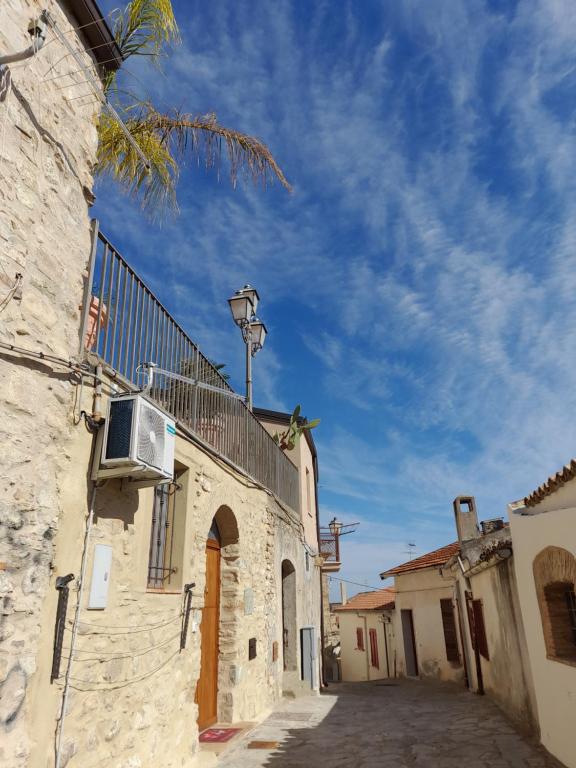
x,y
329,546
124,325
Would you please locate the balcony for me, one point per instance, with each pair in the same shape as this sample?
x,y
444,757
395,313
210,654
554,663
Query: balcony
x,y
330,550
125,326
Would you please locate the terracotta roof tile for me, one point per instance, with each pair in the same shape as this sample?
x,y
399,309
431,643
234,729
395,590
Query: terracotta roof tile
x,y
436,558
369,601
552,484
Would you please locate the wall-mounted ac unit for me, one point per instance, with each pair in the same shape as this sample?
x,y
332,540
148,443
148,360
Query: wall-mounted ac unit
x,y
138,441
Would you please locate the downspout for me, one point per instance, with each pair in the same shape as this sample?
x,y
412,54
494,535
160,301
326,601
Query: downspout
x,y
323,683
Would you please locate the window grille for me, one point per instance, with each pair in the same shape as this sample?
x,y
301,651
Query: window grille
x,y
450,635
160,561
561,605
374,660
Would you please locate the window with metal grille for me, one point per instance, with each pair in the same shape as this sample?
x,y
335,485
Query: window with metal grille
x,y
374,660
561,605
359,639
164,561
450,635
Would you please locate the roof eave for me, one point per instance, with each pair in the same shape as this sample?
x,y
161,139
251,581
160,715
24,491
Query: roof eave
x,y
93,27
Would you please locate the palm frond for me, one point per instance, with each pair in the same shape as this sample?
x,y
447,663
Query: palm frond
x,y
144,26
155,186
166,139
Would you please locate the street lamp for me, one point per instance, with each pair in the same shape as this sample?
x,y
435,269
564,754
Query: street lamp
x,y
243,308
335,526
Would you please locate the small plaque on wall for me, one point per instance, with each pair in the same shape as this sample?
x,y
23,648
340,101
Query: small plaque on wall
x,y
248,601
251,648
275,650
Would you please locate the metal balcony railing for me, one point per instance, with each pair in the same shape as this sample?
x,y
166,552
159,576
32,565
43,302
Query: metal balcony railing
x,y
124,326
329,546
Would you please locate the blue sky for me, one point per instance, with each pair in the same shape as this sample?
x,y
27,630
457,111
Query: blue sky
x,y
419,283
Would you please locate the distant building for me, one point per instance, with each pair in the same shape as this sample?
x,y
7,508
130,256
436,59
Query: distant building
x,y
367,650
426,636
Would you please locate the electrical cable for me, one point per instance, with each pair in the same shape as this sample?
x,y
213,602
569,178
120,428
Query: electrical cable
x,y
112,685
125,655
131,629
356,583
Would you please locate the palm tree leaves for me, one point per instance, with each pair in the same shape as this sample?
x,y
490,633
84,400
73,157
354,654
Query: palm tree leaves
x,y
144,27
166,139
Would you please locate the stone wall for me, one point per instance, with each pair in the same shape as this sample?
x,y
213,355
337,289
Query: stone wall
x,y
133,691
47,148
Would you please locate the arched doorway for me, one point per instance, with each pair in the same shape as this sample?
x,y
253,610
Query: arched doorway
x,y
289,632
207,688
215,694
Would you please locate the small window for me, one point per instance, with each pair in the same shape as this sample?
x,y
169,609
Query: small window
x,y
359,639
167,536
554,577
374,660
561,604
477,628
450,635
307,561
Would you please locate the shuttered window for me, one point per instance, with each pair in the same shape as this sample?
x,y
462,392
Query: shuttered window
x,y
477,628
450,635
374,660
359,639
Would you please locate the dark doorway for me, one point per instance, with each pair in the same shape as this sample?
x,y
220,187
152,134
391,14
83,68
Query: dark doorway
x,y
289,636
409,643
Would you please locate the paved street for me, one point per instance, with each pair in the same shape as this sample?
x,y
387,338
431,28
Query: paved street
x,y
396,723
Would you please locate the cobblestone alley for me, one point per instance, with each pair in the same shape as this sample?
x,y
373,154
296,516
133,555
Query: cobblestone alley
x,y
396,723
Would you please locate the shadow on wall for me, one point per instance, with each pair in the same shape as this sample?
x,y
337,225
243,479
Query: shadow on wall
x,y
392,723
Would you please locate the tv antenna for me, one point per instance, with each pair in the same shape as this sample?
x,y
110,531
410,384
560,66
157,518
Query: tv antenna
x,y
411,549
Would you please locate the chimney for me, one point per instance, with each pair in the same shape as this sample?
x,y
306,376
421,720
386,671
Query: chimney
x,y
343,595
466,518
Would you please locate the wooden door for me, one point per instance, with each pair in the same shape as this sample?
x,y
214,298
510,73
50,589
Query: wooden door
x,y
409,643
207,688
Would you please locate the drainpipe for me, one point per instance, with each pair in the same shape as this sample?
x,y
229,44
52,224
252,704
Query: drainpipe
x,y
97,403
323,683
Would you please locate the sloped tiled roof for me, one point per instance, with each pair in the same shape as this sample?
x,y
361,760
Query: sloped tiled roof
x,y
552,484
377,599
436,558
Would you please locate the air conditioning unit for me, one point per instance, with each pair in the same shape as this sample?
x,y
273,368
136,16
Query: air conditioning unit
x,y
138,441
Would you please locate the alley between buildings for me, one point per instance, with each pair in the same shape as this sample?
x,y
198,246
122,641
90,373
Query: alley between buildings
x,y
387,723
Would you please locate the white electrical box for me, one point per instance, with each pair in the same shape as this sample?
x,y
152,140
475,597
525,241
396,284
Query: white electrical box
x,y
100,583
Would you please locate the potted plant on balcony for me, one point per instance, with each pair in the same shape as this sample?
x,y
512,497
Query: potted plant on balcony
x,y
289,439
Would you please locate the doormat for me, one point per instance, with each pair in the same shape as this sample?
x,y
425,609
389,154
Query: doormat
x,y
262,745
218,735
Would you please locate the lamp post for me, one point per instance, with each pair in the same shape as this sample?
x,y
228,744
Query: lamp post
x,y
243,308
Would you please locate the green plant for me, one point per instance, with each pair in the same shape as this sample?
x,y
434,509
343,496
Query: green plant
x,y
289,439
143,28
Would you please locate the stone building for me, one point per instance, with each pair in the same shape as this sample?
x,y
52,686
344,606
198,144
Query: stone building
x,y
48,147
190,602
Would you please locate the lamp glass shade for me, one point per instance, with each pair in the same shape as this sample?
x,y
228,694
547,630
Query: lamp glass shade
x,y
241,307
335,526
258,332
252,294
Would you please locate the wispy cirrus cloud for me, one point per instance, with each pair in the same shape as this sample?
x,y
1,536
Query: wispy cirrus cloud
x,y
420,282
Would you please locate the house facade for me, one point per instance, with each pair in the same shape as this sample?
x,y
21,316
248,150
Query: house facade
x,y
427,642
137,613
47,152
366,629
542,528
490,619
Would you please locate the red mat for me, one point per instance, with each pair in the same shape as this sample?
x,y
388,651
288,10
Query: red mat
x,y
218,735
